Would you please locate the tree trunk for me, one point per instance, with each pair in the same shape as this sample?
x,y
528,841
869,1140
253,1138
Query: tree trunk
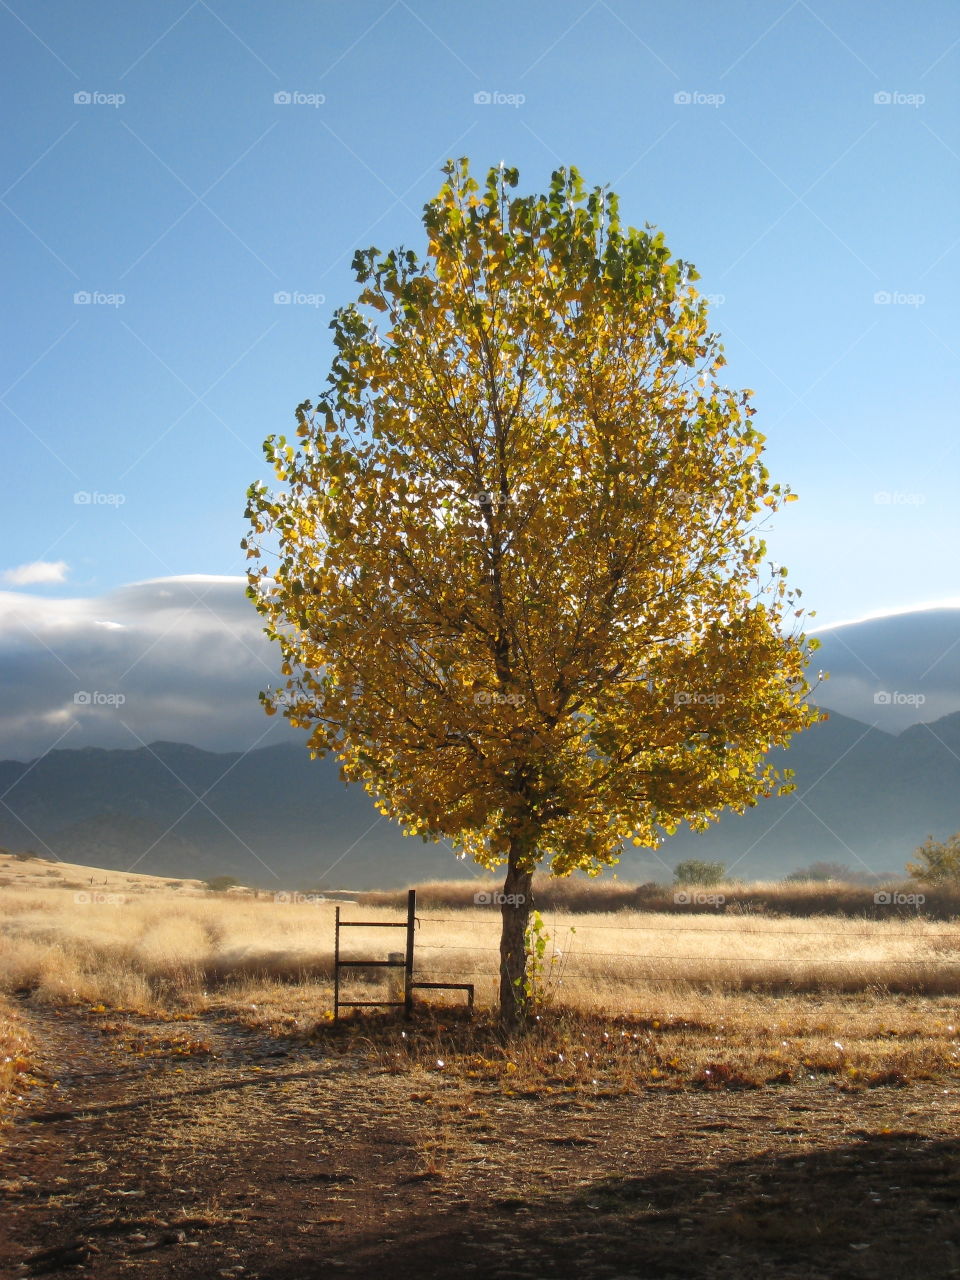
x,y
515,911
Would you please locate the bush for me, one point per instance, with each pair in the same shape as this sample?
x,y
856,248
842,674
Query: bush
x,y
220,884
823,871
938,861
694,871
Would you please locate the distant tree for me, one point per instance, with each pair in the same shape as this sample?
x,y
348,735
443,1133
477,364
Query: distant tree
x,y
824,871
515,570
694,871
938,861
220,884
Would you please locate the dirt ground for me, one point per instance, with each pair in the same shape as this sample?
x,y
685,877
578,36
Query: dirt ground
x,y
202,1149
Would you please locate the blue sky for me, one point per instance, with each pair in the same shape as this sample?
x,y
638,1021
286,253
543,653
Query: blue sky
x,y
803,198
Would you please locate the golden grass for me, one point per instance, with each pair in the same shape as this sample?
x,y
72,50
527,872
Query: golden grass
x,y
615,954
688,1038
33,871
581,895
16,1060
150,950
628,998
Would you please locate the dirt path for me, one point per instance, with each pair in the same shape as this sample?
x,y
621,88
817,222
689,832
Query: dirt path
x,y
259,1160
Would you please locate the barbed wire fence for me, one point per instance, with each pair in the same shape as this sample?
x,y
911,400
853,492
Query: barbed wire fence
x,y
922,963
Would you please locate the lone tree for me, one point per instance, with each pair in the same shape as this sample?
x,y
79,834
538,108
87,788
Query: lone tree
x,y
517,586
696,871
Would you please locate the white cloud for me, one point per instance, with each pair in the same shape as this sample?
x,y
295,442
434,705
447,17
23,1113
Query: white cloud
x,y
188,657
949,602
177,659
892,669
38,571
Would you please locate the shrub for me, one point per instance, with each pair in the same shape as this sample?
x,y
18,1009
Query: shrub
x,y
938,861
823,871
695,871
220,884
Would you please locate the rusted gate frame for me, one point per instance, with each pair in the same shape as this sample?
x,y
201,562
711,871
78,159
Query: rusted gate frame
x,y
406,964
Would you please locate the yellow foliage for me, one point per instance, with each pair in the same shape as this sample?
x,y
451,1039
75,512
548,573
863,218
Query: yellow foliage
x,y
519,591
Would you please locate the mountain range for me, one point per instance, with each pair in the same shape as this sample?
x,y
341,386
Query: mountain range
x,y
873,780
275,818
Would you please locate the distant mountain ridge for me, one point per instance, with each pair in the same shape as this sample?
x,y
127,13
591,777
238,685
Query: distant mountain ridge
x,y
271,816
275,818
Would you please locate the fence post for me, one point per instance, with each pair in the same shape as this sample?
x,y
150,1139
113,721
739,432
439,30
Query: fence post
x,y
336,966
408,966
396,984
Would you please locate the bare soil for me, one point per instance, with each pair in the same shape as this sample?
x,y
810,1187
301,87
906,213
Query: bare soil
x,y
204,1149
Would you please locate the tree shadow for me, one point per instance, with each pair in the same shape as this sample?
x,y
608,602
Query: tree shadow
x,y
883,1205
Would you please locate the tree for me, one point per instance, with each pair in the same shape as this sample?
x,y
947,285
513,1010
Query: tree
x,y
220,884
517,586
694,871
823,872
938,862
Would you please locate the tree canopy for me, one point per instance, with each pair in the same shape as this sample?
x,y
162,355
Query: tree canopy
x,y
518,577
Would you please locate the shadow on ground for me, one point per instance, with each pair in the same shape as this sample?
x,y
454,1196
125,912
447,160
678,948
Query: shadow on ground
x,y
881,1206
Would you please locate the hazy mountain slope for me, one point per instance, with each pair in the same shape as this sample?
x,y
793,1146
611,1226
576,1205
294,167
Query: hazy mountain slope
x,y
892,671
275,817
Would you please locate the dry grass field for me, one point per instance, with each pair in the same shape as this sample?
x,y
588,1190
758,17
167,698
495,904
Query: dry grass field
x,y
22,871
850,995
718,1070
149,949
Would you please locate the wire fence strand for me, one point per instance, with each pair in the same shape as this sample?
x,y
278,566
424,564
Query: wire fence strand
x,y
734,927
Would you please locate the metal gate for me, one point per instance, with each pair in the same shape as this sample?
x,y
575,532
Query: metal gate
x,y
406,964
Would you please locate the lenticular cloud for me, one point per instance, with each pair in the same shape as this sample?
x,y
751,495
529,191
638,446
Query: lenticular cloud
x,y
180,659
